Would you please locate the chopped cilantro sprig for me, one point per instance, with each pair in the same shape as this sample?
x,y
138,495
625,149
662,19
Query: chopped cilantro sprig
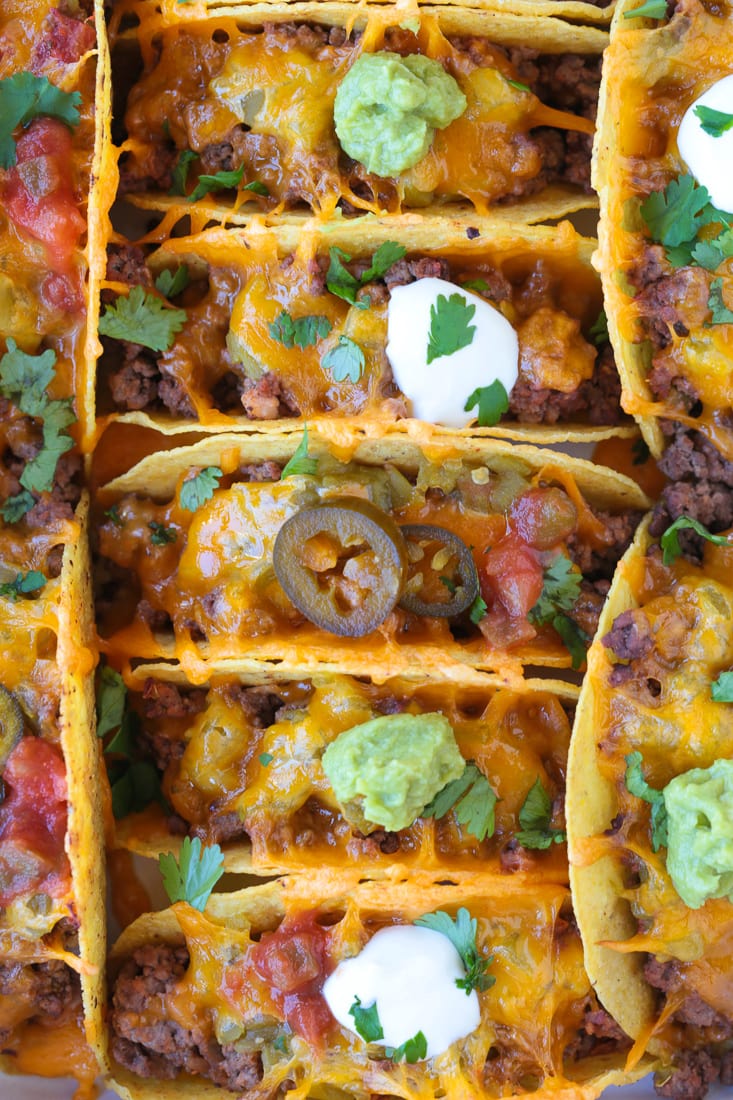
x,y
462,934
300,462
196,490
674,218
492,401
23,584
301,333
560,590
535,817
23,97
142,318
450,328
670,543
343,284
195,873
471,798
721,690
637,785
715,123
366,1021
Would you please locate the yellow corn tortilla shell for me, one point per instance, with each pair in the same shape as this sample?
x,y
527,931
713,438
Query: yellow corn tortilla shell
x,y
261,908
439,236
601,910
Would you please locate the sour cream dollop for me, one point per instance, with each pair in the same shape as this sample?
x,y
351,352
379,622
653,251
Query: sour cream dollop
x,y
710,159
438,390
410,973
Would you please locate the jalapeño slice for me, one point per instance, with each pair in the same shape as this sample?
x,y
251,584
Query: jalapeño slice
x,y
453,554
342,563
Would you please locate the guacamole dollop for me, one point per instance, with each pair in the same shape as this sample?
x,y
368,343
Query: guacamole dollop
x,y
384,772
699,805
388,108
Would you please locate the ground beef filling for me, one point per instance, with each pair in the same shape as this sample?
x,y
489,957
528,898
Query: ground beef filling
x,y
142,380
47,992
147,1042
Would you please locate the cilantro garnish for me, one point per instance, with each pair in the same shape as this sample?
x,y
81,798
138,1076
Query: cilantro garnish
x,y
113,513
366,1021
220,181
303,333
345,360
492,401
449,584
343,284
535,818
23,584
170,283
301,462
24,97
560,590
670,542
265,758
652,9
449,326
721,689
137,785
710,254
412,1050
24,379
16,507
472,799
675,215
194,875
113,714
721,314
599,329
478,610
479,285
518,84
637,785
196,490
111,700
180,172
715,123
462,934
142,318
257,187
161,536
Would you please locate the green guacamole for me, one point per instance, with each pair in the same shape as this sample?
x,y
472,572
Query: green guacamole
x,y
385,772
388,108
700,833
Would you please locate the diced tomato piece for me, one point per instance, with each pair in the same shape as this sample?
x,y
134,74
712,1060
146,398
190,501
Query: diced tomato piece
x,y
309,1016
33,818
64,293
511,575
544,517
290,962
63,39
38,192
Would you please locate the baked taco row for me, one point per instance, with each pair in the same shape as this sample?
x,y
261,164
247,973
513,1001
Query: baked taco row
x,y
264,108
374,324
332,987
52,930
648,804
463,554
662,149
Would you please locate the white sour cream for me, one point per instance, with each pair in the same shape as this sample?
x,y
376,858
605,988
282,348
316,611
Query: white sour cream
x,y
411,974
438,390
710,159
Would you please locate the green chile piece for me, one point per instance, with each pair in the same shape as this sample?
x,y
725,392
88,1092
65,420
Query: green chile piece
x,y
385,771
699,805
388,108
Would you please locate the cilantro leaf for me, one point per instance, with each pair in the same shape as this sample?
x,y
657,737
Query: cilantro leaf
x,y
715,123
721,314
257,187
518,84
345,360
24,378
265,758
652,9
142,318
114,515
412,1050
462,934
599,329
343,284
366,1021
479,285
472,799
449,326
535,817
637,785
575,639
24,97
722,689
220,181
161,536
23,584
39,471
194,875
180,172
136,787
477,610
710,254
560,590
303,333
675,215
170,284
670,542
16,507
492,401
383,259
196,490
111,700
301,462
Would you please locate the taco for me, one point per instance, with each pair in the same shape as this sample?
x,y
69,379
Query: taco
x,y
51,881
239,546
269,327
235,998
289,773
647,804
253,106
664,241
